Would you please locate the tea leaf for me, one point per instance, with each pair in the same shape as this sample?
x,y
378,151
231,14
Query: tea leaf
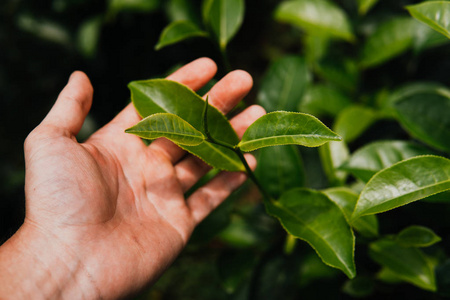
x,y
282,128
408,264
390,39
224,17
178,31
417,236
370,159
284,84
423,113
321,99
132,5
435,14
405,182
346,120
346,200
279,175
309,215
332,155
165,96
365,5
317,17
169,126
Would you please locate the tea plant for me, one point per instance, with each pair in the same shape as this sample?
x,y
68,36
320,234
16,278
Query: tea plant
x,y
364,179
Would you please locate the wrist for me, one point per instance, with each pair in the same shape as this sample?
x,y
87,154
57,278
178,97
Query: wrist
x,y
34,264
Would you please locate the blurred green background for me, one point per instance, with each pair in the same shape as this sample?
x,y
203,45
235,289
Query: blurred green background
x,y
42,42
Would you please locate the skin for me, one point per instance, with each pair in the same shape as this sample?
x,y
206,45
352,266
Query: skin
x,y
106,217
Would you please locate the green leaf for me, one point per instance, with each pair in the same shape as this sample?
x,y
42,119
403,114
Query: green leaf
x,y
179,31
332,155
405,182
346,200
313,269
359,287
422,110
88,36
182,10
417,236
309,215
409,264
370,159
224,17
426,38
282,128
346,120
280,168
343,73
321,99
318,17
315,47
365,5
133,5
284,84
389,40
165,96
435,14
169,126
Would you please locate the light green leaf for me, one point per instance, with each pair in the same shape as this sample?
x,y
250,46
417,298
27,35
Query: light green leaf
x,y
318,17
389,40
346,200
165,96
309,215
88,36
315,47
405,182
435,14
370,159
417,236
179,31
169,126
332,155
346,120
408,263
426,38
422,110
182,10
283,128
280,168
224,17
132,5
321,99
365,5
283,85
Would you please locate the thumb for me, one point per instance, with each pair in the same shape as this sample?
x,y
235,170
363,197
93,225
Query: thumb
x,y
72,106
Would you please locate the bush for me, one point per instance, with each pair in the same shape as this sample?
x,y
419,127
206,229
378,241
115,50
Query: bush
x,y
375,73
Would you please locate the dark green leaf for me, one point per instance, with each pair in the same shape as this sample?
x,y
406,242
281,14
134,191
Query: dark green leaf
x,y
370,159
224,17
407,181
313,269
426,38
359,287
182,10
283,85
282,128
443,278
423,113
160,95
319,17
346,120
321,99
311,216
390,39
279,169
409,264
435,14
343,73
417,236
346,199
365,5
178,31
169,126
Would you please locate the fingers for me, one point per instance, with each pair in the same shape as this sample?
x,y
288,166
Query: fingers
x,y
72,105
195,75
209,196
191,169
224,95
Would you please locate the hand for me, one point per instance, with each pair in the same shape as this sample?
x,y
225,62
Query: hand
x,y
106,217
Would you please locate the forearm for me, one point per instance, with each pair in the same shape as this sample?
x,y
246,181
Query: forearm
x,y
33,267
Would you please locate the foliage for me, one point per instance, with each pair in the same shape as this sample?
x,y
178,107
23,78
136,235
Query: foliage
x,y
374,72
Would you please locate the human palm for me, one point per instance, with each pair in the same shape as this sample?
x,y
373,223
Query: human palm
x,y
113,203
